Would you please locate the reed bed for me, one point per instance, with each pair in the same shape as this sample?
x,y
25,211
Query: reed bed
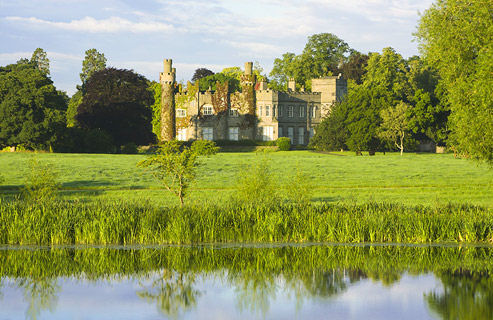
x,y
62,222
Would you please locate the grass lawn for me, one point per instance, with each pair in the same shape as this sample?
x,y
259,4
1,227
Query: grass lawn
x,y
412,179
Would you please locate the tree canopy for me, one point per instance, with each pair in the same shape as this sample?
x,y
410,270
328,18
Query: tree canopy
x,y
32,110
117,101
201,73
456,36
93,61
322,56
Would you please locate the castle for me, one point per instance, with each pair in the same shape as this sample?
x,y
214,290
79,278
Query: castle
x,y
255,113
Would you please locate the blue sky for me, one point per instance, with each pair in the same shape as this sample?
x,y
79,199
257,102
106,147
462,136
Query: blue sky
x,y
214,34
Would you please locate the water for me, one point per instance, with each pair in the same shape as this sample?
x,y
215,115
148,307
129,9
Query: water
x,y
315,281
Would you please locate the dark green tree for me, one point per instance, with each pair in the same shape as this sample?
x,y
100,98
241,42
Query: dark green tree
x,y
331,133
456,37
117,102
354,67
201,73
32,111
93,61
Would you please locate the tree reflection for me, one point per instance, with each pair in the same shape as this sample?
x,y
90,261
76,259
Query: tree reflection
x,y
40,294
466,295
172,292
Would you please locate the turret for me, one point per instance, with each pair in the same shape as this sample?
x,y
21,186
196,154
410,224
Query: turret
x,y
168,121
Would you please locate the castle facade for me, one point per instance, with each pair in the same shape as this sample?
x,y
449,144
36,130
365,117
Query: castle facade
x,y
255,113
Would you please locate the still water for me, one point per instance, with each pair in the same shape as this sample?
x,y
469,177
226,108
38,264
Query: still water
x,y
311,281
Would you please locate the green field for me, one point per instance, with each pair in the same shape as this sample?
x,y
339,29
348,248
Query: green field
x,y
413,179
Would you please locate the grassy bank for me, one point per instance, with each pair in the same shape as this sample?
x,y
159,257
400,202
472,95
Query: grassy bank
x,y
428,179
124,223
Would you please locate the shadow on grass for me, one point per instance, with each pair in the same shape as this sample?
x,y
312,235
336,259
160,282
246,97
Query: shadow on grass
x,y
86,184
326,199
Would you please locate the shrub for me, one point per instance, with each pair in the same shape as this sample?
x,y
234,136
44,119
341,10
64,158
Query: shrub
x,y
41,183
284,143
129,148
255,184
204,147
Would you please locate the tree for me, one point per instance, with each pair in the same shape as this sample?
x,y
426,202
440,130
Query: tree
x,y
32,111
175,165
456,37
331,134
201,73
40,59
354,67
118,102
322,56
93,61
395,125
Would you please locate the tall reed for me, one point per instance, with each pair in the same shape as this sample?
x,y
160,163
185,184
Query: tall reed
x,y
134,223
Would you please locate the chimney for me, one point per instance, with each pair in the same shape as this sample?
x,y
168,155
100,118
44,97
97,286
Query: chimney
x,y
291,84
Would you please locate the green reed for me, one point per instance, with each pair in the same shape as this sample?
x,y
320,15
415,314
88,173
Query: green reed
x,y
62,222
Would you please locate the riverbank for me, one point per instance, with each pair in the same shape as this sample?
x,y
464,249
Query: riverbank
x,y
126,223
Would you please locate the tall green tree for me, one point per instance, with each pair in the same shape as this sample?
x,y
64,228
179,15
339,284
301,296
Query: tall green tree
x,y
456,36
93,61
118,102
40,59
32,110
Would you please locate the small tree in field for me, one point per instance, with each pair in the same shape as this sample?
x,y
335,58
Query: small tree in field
x,y
394,125
175,164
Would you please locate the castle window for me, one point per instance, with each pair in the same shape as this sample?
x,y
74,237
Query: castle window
x,y
208,133
290,111
233,133
267,111
207,110
233,113
302,111
301,135
280,110
314,112
279,134
182,134
291,134
312,132
267,133
259,111
274,110
181,113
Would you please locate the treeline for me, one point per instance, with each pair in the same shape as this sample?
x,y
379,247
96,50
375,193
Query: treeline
x,y
444,96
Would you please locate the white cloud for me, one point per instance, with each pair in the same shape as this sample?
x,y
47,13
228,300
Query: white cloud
x,y
89,24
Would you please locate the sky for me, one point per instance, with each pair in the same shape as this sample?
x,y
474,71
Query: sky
x,y
139,34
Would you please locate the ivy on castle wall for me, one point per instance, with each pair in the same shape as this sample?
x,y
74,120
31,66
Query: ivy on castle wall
x,y
220,98
168,130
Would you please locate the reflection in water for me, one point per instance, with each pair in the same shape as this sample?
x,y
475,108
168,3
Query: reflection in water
x,y
40,294
172,292
171,278
465,295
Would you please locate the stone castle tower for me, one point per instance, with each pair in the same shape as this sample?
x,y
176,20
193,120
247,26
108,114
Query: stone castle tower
x,y
167,79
